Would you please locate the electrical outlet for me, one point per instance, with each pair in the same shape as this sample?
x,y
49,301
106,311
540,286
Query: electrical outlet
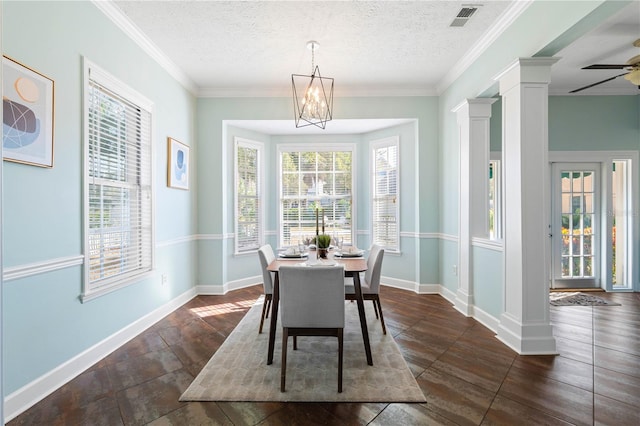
x,y
455,270
164,279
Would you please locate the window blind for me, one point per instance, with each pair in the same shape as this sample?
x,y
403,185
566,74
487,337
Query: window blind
x,y
248,197
119,180
385,211
310,182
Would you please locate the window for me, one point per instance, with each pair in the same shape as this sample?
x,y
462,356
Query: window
x,y
315,181
621,224
248,157
495,209
385,191
118,184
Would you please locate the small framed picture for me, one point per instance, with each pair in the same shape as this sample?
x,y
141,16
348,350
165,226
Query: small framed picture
x,y
177,164
27,102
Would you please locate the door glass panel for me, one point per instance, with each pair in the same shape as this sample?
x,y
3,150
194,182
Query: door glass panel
x,y
577,181
588,203
587,246
565,182
577,217
588,182
565,245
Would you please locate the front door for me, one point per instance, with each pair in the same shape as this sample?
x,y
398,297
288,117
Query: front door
x,y
575,225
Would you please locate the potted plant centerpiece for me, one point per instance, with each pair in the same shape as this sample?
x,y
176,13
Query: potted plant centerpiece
x,y
323,241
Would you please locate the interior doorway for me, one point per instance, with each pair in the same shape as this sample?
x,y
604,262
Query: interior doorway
x,y
575,224
592,228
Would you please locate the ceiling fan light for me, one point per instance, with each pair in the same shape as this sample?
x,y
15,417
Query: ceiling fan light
x,y
634,77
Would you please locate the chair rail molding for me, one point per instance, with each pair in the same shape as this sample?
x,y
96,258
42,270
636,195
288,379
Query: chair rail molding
x,y
43,267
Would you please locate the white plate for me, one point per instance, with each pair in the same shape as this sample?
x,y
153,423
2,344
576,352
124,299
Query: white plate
x,y
293,256
357,254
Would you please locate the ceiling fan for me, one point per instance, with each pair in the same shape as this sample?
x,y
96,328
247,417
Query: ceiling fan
x,y
632,68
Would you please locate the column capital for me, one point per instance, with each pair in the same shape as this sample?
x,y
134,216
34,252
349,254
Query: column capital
x,y
525,70
475,107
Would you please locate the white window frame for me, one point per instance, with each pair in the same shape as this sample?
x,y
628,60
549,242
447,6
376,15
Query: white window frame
x,y
317,147
259,147
393,141
496,159
96,288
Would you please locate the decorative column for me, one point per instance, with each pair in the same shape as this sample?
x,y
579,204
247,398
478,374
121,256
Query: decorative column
x,y
525,325
473,196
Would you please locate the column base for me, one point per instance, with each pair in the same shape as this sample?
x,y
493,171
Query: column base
x,y
527,339
464,303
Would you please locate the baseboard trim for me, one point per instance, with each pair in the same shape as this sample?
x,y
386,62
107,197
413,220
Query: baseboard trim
x,y
221,290
30,394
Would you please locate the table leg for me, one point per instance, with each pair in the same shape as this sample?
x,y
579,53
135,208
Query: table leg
x,y
274,317
363,319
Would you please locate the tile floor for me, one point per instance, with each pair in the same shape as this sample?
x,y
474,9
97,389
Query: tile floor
x,y
468,376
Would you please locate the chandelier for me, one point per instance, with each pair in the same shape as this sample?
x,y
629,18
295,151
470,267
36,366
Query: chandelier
x,y
312,95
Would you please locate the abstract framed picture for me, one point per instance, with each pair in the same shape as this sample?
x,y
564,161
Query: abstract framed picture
x,y
177,164
27,120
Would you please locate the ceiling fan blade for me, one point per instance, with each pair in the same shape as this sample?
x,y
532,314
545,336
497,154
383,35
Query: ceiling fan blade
x,y
605,67
600,82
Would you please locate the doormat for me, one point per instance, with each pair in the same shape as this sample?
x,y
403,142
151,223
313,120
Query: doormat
x,y
578,299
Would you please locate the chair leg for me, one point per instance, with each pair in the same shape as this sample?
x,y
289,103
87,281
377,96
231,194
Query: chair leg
x,y
375,308
340,358
384,329
265,310
295,343
283,367
268,305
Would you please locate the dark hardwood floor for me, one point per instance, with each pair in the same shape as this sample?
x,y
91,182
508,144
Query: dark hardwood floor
x,y
467,375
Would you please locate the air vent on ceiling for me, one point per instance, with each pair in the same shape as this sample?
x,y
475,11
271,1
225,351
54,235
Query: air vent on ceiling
x,y
463,16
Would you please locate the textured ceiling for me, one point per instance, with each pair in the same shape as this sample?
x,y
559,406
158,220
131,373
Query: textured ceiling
x,y
251,48
371,45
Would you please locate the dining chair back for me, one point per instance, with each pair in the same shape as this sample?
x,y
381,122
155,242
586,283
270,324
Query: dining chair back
x,y
311,304
266,255
371,283
374,269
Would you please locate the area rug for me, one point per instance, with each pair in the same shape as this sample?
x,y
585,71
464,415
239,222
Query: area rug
x,y
565,298
238,371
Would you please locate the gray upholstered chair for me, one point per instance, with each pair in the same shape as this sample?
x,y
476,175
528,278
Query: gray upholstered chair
x,y
266,257
311,304
371,283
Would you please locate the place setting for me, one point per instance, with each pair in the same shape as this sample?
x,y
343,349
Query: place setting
x,y
346,251
296,253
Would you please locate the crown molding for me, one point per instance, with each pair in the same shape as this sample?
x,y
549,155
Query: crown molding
x,y
113,12
504,21
342,92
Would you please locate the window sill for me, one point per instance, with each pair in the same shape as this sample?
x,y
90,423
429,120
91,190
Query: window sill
x,y
90,295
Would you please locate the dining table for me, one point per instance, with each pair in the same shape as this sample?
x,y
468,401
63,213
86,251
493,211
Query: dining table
x,y
353,266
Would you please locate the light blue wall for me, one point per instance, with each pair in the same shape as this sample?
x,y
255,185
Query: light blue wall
x,y
488,280
45,324
218,265
543,24
593,123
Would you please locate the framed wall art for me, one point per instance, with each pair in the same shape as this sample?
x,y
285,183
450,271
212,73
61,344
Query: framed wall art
x,y
27,102
177,164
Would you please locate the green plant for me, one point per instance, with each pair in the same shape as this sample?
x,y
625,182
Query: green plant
x,y
324,241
